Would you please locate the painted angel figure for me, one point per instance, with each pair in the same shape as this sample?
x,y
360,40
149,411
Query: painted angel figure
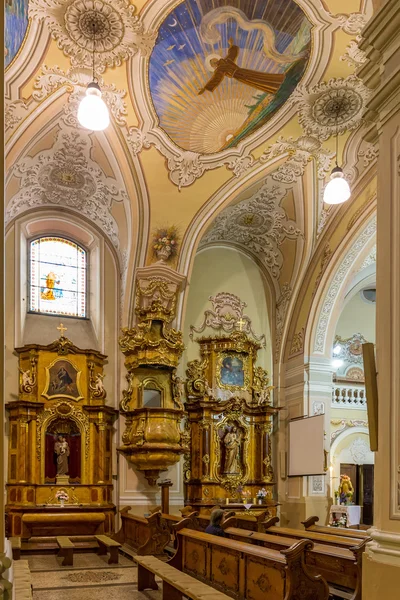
x,y
227,67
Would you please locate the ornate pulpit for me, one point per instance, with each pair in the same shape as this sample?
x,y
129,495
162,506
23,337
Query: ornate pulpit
x,y
230,413
60,443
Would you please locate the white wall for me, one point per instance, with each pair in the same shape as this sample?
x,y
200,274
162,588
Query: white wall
x,y
357,316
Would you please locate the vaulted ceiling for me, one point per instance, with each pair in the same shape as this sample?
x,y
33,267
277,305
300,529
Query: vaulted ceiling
x,y
223,117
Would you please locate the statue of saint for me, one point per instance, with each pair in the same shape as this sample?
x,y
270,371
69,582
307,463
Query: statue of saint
x,y
232,446
61,448
227,67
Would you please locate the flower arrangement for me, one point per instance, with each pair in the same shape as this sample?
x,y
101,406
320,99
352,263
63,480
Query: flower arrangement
x,y
262,494
165,243
339,522
62,496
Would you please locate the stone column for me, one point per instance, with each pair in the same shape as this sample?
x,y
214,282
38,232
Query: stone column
x,y
381,73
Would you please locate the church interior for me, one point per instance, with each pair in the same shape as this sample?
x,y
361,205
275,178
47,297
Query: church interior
x,y
200,300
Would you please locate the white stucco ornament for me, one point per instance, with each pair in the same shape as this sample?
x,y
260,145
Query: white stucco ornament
x,y
119,34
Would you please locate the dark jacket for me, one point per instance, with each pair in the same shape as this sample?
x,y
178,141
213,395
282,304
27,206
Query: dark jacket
x,y
215,530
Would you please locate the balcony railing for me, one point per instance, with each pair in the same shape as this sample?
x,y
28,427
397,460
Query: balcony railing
x,y
349,396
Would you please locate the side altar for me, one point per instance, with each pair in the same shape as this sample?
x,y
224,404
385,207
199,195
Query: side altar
x,y
60,444
229,414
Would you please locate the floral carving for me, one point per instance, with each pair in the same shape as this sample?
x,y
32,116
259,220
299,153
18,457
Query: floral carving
x,y
281,310
353,23
119,34
345,424
300,152
259,224
297,343
354,56
66,176
196,383
14,113
330,107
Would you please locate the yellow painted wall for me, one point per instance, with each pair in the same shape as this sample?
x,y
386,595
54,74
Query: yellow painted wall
x,y
227,270
357,316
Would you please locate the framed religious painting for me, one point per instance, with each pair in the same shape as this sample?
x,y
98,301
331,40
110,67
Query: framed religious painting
x,y
233,371
62,380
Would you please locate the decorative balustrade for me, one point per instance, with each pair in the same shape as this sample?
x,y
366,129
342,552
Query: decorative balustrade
x,y
349,396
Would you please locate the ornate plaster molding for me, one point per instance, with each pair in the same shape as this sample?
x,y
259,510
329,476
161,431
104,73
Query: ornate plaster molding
x,y
185,166
370,260
336,284
119,33
281,311
353,56
353,23
227,314
318,106
297,345
15,112
344,425
259,224
66,176
300,151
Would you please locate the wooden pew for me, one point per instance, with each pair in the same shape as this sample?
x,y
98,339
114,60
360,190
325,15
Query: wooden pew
x,y
244,571
310,525
340,567
318,538
66,550
175,583
16,547
108,545
144,535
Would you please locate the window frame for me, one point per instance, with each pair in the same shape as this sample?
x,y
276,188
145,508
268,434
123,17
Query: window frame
x,y
87,264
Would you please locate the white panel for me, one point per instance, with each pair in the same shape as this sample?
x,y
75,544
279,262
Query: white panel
x,y
306,446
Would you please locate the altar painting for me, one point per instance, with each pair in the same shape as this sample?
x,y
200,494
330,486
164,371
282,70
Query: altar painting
x,y
218,73
62,380
16,23
232,371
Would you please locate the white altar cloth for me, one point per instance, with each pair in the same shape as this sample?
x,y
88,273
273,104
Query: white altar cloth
x,y
353,513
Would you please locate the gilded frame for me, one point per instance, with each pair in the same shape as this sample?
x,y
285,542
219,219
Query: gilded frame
x,y
222,356
48,396
231,482
63,410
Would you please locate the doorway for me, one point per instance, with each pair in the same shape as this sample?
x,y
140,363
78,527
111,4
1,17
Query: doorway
x,y
362,478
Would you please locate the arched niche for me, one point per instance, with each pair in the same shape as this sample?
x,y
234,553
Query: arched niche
x,y
70,430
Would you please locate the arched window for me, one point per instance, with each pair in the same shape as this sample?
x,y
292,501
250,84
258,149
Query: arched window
x,y
58,277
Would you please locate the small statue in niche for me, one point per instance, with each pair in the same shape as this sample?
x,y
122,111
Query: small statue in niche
x,y
346,490
61,449
231,442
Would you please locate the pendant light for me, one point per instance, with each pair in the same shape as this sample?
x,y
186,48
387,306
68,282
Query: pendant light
x,y
93,112
337,190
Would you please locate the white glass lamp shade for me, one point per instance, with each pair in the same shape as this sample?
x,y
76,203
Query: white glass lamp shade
x,y
93,112
337,191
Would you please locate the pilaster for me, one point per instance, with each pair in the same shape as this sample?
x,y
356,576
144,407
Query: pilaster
x,y
381,42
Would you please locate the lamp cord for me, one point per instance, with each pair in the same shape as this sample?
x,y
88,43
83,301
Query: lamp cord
x,y
94,46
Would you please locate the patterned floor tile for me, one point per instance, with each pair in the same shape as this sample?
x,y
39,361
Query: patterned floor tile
x,y
83,578
124,592
50,562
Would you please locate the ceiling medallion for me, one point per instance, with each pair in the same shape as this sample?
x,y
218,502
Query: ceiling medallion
x,y
332,107
119,34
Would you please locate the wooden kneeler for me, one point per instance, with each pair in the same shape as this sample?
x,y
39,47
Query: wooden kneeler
x,y
66,550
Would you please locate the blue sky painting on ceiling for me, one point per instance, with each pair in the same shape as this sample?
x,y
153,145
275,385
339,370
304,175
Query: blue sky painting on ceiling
x,y
16,22
219,72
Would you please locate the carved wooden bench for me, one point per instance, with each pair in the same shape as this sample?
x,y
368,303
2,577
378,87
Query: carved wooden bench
x,y
342,568
175,583
319,538
66,550
145,535
245,571
108,545
16,547
310,525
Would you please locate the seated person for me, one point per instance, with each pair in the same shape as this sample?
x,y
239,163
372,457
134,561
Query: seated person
x,y
216,519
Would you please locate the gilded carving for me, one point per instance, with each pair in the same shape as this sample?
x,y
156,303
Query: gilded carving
x,y
127,394
231,467
196,378
96,386
178,390
261,388
63,410
27,379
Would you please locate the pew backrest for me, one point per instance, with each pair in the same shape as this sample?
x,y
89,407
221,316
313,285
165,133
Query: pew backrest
x,y
310,524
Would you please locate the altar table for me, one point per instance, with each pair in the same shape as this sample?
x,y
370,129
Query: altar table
x,y
352,512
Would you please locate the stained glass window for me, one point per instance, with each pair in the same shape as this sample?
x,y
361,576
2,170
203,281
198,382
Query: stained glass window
x,y
57,277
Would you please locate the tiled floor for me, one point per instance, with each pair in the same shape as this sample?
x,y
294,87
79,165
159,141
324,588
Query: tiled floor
x,y
90,578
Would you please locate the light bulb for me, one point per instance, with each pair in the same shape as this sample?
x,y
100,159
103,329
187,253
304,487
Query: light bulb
x,y
337,363
337,191
92,111
337,349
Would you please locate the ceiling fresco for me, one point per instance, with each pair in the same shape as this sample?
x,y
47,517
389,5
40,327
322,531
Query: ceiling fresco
x,y
218,73
16,23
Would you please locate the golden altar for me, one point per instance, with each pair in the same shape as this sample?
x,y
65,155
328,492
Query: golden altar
x,y
60,444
